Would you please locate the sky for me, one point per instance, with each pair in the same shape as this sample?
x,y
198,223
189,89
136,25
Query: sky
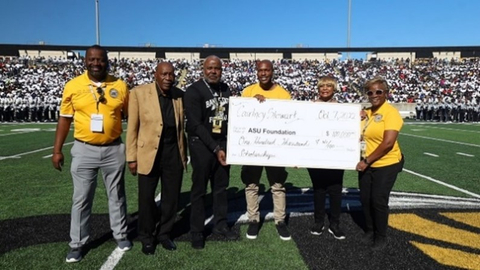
x,y
242,23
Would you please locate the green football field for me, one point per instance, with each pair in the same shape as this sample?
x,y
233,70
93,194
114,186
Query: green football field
x,y
35,200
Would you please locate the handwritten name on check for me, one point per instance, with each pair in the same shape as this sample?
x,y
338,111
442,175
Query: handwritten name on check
x,y
293,133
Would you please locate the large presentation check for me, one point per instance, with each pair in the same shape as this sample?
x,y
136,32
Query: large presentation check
x,y
293,133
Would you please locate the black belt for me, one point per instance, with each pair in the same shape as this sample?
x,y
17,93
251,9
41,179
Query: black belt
x,y
114,142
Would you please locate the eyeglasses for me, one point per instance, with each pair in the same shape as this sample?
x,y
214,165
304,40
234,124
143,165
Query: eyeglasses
x,y
102,95
377,92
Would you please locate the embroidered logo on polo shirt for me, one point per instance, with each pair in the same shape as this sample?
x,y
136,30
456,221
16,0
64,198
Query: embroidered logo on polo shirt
x,y
378,118
113,93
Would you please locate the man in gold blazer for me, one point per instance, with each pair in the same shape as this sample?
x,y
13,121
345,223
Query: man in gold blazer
x,y
156,151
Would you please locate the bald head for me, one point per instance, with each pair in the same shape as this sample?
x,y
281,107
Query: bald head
x,y
165,76
212,69
265,74
268,63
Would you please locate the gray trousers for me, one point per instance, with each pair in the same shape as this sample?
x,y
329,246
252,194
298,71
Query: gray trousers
x,y
86,162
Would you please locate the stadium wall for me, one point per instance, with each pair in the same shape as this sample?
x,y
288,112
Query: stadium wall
x,y
42,53
391,55
447,55
195,53
189,56
316,56
131,55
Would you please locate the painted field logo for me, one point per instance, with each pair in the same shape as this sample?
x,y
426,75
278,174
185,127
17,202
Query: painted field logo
x,y
443,228
457,247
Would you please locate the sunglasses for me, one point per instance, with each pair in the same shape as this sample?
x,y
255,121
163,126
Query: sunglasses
x,y
376,92
102,95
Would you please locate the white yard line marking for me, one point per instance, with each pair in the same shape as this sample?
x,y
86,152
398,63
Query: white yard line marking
x,y
441,140
208,220
430,154
30,152
16,133
116,254
2,158
463,154
113,259
443,183
47,156
454,129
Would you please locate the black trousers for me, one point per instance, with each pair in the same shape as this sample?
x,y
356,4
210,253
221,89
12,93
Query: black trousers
x,y
168,169
207,168
424,114
461,115
327,181
39,115
252,174
375,187
418,112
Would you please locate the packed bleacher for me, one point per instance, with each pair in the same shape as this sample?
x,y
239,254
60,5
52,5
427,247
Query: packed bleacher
x,y
443,90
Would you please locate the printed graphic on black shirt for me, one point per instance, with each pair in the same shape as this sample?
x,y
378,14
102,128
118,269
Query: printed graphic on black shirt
x,y
219,106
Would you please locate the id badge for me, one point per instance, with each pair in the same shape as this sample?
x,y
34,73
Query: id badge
x,y
363,149
217,124
96,123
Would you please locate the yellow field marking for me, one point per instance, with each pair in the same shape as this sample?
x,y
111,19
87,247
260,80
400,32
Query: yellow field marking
x,y
451,257
414,224
472,219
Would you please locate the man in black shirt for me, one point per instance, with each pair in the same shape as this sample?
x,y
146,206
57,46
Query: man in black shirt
x,y
206,107
156,150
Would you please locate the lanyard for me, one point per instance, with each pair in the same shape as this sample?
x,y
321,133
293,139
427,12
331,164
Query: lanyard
x,y
363,144
217,102
95,96
367,123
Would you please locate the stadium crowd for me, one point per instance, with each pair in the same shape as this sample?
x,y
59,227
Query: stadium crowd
x,y
443,90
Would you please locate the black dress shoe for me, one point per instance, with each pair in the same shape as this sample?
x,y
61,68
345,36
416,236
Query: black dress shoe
x,y
168,244
148,249
368,237
380,243
226,232
198,241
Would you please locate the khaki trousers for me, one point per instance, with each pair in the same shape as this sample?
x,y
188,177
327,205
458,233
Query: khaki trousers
x,y
276,177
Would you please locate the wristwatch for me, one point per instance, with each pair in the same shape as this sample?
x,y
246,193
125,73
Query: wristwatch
x,y
366,161
218,148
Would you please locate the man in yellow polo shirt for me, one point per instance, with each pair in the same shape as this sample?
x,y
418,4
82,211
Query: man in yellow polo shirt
x,y
94,101
250,175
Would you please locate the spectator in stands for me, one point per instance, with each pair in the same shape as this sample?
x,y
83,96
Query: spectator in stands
x,y
94,101
206,107
381,162
156,150
265,89
327,180
455,79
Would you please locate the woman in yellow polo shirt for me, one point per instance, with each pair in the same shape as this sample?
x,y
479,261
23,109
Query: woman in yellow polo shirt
x,y
381,161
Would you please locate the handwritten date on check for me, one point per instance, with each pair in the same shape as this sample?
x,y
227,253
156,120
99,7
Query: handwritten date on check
x,y
293,133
